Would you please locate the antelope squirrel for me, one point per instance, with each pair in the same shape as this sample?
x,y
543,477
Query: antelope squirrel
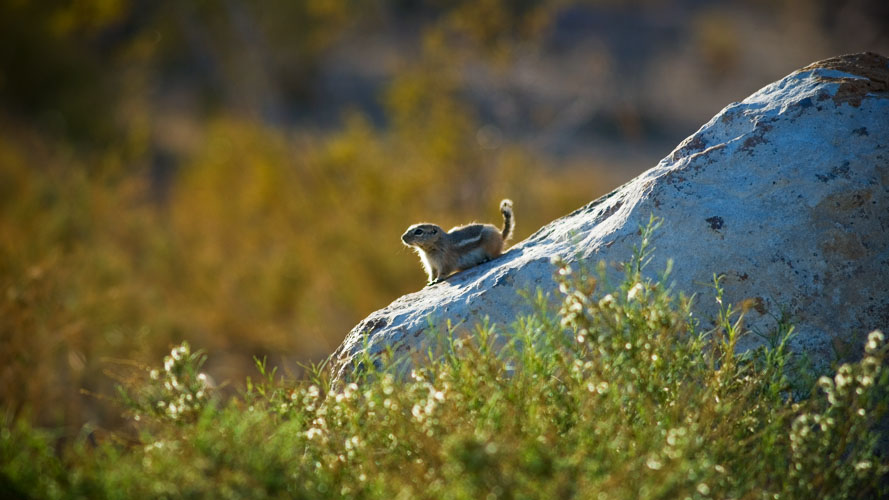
x,y
444,253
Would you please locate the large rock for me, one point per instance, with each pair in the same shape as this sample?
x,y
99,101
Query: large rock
x,y
785,193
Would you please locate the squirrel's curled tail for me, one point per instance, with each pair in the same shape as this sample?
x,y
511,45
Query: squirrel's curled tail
x,y
508,219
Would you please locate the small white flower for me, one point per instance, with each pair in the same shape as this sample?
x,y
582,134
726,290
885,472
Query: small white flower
x,y
634,292
653,463
863,465
352,443
874,340
843,377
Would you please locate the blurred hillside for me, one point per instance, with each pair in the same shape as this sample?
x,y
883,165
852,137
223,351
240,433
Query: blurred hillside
x,y
237,173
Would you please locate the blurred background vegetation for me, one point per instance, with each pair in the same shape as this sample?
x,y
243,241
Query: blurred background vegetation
x,y
236,173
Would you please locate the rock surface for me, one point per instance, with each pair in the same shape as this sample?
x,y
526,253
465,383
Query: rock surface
x,y
785,193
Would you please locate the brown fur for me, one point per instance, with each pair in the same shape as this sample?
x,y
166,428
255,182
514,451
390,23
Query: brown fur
x,y
444,253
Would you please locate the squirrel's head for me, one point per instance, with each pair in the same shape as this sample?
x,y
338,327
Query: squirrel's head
x,y
423,236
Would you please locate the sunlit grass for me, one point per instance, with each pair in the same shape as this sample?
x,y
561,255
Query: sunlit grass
x,y
617,394
264,242
127,231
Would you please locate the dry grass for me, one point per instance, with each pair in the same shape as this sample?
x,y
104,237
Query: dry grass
x,y
264,242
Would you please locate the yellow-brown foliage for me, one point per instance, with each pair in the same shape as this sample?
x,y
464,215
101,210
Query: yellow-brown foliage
x,y
266,241
260,240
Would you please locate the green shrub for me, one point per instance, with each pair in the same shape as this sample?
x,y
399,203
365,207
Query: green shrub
x,y
617,394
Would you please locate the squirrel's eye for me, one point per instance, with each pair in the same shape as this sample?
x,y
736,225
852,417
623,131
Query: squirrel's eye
x,y
418,232
434,231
